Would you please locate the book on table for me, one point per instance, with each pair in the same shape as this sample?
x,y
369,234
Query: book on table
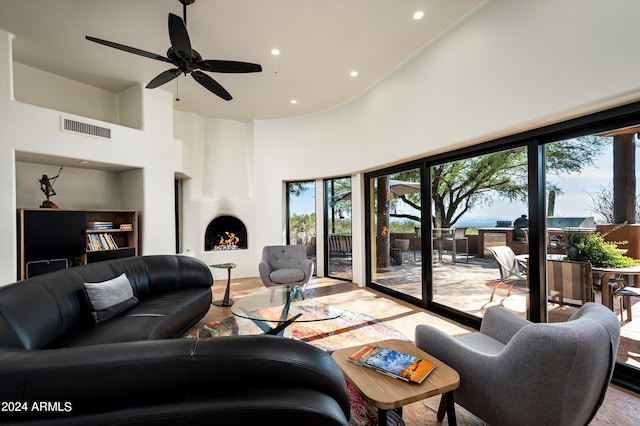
x,y
393,363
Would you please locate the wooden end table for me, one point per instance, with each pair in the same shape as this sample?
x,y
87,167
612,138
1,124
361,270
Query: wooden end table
x,y
387,393
226,300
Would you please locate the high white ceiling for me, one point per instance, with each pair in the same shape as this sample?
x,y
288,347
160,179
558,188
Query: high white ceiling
x,y
321,42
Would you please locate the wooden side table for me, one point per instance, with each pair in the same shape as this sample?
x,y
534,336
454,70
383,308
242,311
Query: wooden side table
x,y
226,301
387,393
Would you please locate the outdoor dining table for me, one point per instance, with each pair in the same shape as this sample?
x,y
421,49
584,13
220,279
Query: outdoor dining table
x,y
607,274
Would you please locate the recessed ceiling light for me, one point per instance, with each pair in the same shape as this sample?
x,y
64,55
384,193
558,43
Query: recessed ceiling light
x,y
275,52
83,162
293,101
353,73
418,15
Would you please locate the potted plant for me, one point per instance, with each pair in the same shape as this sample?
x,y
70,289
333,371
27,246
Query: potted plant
x,y
586,246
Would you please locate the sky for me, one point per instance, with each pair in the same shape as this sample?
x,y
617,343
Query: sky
x,y
574,201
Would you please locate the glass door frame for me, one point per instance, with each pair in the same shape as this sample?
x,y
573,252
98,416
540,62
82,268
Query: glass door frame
x,y
535,140
327,212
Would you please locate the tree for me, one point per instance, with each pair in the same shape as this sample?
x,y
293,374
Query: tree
x,y
603,204
459,186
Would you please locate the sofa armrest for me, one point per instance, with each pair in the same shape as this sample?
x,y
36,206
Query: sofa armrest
x,y
88,376
500,324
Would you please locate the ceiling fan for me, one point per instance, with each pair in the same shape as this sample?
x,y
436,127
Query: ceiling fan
x,y
185,59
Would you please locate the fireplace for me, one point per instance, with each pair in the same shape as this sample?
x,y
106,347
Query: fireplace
x,y
225,233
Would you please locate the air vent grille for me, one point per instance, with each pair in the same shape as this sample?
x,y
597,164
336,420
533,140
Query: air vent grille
x,y
74,126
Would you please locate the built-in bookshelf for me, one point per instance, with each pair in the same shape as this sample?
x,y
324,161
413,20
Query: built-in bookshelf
x,y
49,239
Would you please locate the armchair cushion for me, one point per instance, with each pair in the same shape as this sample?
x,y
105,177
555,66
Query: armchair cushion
x,y
285,276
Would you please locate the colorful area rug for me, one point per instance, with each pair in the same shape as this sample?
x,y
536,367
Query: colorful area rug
x,y
349,329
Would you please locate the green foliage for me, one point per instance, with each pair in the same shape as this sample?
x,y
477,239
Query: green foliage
x,y
342,226
406,226
460,186
591,247
301,225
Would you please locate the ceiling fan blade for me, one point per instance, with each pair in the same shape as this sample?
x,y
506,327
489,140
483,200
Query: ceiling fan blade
x,y
211,85
179,37
214,65
128,49
163,78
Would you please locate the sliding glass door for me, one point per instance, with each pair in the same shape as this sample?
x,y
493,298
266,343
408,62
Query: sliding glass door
x,y
480,220
396,232
301,215
584,246
338,228
539,223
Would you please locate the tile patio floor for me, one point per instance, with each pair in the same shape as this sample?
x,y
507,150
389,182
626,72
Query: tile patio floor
x,y
468,286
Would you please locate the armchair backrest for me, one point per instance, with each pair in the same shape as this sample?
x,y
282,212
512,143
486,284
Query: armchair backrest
x,y
284,257
568,365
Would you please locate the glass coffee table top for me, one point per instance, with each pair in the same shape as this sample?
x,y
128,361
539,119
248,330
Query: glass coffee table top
x,y
282,305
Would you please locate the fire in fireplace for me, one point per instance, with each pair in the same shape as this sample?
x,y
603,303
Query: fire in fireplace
x,y
225,233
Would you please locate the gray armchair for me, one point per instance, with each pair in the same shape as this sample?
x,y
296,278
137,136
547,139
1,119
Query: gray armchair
x,y
517,372
285,265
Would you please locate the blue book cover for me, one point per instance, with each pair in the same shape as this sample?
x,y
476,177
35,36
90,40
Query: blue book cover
x,y
401,365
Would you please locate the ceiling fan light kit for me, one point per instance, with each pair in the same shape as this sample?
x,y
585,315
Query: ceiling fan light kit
x,y
185,59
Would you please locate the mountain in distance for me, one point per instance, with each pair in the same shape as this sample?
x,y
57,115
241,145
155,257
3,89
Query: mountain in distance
x,y
481,221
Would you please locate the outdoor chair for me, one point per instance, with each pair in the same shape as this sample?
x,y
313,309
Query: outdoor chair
x,y
515,372
571,281
624,293
510,270
459,234
285,265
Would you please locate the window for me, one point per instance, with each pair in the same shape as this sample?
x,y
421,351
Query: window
x,y
338,228
535,194
301,215
476,202
396,232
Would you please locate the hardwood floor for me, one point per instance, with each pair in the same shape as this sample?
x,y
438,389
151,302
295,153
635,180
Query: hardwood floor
x,y
620,406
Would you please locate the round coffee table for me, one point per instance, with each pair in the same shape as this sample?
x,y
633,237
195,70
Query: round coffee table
x,y
282,305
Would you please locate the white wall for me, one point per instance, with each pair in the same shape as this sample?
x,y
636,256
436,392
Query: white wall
x,y
75,188
37,87
222,184
511,66
35,129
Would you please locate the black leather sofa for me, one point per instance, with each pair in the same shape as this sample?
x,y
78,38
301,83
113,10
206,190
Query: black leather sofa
x,y
57,366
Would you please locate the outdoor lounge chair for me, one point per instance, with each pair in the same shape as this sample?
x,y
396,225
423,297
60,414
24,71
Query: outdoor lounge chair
x,y
510,270
515,372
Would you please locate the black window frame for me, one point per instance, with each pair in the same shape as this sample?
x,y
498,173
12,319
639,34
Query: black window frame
x,y
534,140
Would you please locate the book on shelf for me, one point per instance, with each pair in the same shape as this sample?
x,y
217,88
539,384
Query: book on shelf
x,y
393,363
100,225
98,242
126,227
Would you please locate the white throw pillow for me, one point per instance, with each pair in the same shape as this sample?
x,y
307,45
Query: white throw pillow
x,y
110,298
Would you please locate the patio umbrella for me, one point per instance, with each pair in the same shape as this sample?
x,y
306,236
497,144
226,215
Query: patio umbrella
x,y
397,188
